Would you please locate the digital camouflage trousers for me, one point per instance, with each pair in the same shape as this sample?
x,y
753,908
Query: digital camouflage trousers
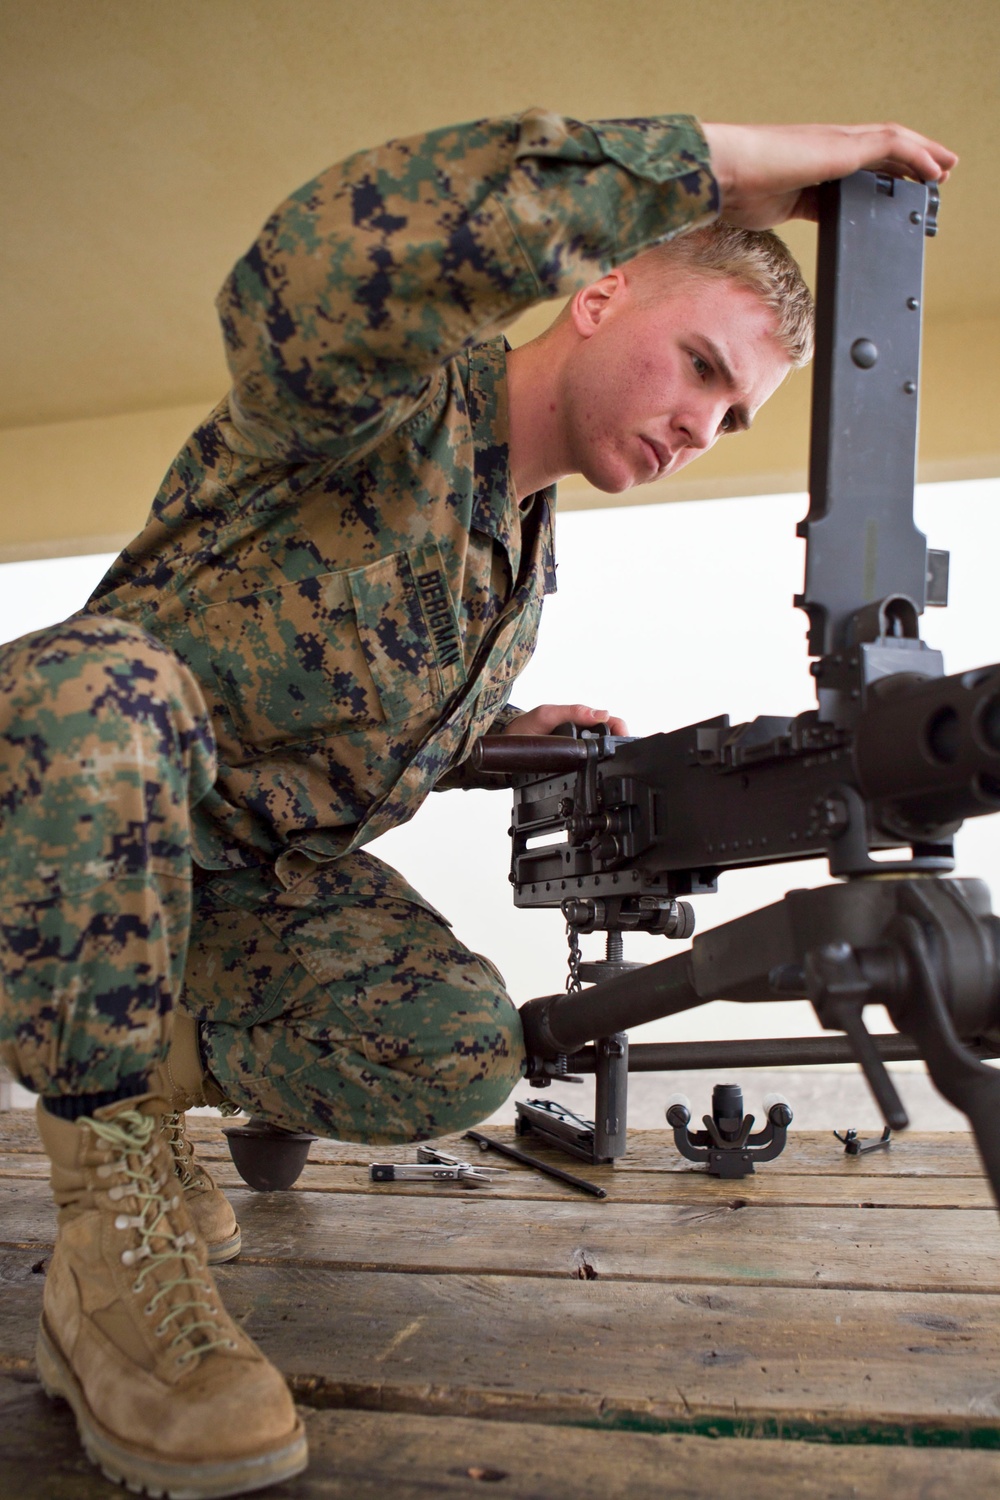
x,y
345,1006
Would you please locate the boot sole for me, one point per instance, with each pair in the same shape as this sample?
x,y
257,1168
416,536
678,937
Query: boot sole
x,y
143,1473
224,1250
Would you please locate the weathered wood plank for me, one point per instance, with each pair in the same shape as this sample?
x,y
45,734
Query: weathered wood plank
x,y
922,1154
604,1352
905,1249
768,1186
367,1455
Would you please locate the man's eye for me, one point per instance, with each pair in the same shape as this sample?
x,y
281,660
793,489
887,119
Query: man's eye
x,y
728,423
701,366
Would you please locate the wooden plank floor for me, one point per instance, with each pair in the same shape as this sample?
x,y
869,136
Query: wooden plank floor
x,y
827,1327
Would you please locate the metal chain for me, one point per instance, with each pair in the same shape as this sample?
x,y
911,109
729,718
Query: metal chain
x,y
573,982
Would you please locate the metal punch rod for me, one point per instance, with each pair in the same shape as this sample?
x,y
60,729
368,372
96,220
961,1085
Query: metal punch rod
x,y
487,1143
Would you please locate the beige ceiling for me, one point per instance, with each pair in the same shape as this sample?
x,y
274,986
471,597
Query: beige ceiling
x,y
145,142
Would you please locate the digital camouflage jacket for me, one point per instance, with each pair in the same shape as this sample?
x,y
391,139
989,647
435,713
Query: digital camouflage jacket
x,y
337,553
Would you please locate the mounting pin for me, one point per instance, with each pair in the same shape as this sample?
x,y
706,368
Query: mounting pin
x,y
864,353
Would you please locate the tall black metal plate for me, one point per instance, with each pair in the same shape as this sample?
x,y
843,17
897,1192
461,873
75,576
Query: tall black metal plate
x,y
862,544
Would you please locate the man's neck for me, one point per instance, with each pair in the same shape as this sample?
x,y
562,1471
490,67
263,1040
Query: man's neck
x,y
536,444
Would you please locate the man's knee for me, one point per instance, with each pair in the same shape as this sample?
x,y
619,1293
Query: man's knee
x,y
456,1041
478,1050
100,681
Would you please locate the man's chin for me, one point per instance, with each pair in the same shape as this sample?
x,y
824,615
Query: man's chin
x,y
613,481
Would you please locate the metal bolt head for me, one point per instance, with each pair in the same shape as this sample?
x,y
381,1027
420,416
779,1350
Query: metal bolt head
x,y
864,353
833,815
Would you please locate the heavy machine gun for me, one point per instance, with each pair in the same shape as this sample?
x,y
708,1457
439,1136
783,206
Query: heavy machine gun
x,y
896,755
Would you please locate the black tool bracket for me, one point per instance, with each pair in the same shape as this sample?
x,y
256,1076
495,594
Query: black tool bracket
x,y
728,1145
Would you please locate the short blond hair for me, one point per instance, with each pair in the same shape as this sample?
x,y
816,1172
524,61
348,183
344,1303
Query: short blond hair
x,y
755,258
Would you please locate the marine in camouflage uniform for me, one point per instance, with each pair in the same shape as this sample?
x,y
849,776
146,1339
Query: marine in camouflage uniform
x,y
331,599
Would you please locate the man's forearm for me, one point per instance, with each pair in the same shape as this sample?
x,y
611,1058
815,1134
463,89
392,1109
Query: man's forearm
x,y
373,275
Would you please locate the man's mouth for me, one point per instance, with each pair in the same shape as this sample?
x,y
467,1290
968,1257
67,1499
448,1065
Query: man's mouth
x,y
660,456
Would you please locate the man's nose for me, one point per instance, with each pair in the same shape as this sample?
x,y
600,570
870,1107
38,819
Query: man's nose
x,y
701,426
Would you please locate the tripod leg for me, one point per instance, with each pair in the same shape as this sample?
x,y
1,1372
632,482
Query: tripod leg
x,y
611,1102
967,1083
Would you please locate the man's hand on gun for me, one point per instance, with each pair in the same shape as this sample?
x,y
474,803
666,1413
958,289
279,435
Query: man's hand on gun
x,y
767,174
548,716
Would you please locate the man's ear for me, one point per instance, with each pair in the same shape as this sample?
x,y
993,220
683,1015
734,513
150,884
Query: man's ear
x,y
591,305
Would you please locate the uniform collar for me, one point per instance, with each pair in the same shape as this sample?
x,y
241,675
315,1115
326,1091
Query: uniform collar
x,y
493,496
493,500
494,506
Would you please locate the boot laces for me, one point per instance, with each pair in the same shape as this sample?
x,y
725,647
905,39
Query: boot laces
x,y
190,1172
163,1256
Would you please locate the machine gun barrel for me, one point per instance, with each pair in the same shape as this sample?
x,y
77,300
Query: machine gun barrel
x,y
928,751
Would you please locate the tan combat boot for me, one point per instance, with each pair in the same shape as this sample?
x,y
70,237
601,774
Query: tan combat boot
x,y
181,1080
169,1394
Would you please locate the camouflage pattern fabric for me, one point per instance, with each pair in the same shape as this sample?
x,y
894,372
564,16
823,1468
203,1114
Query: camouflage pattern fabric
x,y
347,1007
104,746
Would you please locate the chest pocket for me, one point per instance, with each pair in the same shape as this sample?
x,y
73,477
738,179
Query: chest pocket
x,y
332,653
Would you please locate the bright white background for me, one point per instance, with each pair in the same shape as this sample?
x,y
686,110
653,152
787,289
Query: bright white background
x,y
665,614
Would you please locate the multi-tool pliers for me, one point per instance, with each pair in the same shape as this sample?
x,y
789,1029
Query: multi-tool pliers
x,y
433,1165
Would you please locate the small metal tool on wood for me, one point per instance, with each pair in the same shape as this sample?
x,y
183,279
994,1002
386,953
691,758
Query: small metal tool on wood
x,y
854,1146
434,1165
